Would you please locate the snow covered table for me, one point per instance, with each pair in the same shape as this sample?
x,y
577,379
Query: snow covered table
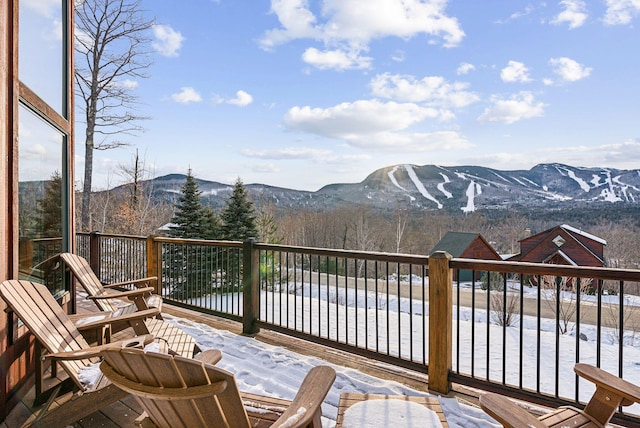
x,y
397,411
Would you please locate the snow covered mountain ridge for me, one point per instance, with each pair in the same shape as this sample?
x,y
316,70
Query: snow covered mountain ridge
x,y
461,189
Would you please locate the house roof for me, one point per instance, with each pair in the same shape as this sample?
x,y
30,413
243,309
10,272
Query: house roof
x,y
455,243
585,234
578,236
561,254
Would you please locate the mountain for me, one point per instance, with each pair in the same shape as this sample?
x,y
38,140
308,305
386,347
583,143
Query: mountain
x,y
459,189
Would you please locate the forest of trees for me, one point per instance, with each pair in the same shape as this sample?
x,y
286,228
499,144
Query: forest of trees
x,y
355,227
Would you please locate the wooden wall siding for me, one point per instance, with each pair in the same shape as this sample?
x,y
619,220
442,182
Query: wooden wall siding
x,y
7,239
591,251
481,250
17,353
574,249
596,247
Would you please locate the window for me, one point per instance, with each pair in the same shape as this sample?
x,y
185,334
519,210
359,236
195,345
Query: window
x,y
41,57
40,200
44,141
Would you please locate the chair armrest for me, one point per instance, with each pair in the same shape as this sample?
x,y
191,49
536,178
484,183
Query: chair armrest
x,y
209,356
508,413
101,319
306,406
605,380
94,351
122,294
137,282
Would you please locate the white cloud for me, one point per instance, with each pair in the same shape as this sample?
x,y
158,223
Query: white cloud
x,y
618,155
297,20
242,99
621,12
517,15
499,160
304,153
336,59
168,41
465,68
517,107
265,168
411,142
55,32
574,13
128,84
360,117
348,160
569,70
431,90
48,8
357,23
48,22
186,95
34,151
373,124
286,153
398,56
515,72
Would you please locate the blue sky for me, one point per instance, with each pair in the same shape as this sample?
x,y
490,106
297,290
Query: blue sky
x,y
301,94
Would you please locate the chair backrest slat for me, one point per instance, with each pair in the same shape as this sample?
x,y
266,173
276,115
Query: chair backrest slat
x,y
45,319
88,280
223,409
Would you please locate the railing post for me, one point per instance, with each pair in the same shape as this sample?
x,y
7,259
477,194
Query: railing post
x,y
154,264
440,321
94,253
250,287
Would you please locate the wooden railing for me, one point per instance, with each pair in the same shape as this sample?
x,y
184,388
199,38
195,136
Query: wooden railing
x,y
515,328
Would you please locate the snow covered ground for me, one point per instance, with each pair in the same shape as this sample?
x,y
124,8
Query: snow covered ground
x,y
265,369
271,370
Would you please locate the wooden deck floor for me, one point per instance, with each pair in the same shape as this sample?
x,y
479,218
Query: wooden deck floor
x,y
124,412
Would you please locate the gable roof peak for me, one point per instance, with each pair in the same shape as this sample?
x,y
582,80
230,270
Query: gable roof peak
x,y
585,234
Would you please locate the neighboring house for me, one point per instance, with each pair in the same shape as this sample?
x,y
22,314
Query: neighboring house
x,y
468,246
562,245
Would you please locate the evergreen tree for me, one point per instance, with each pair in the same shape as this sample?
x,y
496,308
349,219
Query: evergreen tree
x,y
238,216
238,223
50,210
211,223
188,220
190,268
50,207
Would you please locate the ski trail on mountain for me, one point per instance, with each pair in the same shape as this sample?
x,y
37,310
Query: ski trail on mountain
x,y
393,179
441,188
416,181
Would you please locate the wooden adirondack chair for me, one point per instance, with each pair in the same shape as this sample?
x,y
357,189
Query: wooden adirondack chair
x,y
179,392
611,392
109,300
65,347
105,296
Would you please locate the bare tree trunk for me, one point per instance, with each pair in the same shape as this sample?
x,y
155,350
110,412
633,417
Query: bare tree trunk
x,y
86,189
111,47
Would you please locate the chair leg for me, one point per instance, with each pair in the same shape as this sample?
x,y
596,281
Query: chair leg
x,y
79,406
603,405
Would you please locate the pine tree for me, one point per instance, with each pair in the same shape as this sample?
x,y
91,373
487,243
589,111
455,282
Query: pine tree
x,y
210,223
238,216
238,223
50,207
188,218
194,265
